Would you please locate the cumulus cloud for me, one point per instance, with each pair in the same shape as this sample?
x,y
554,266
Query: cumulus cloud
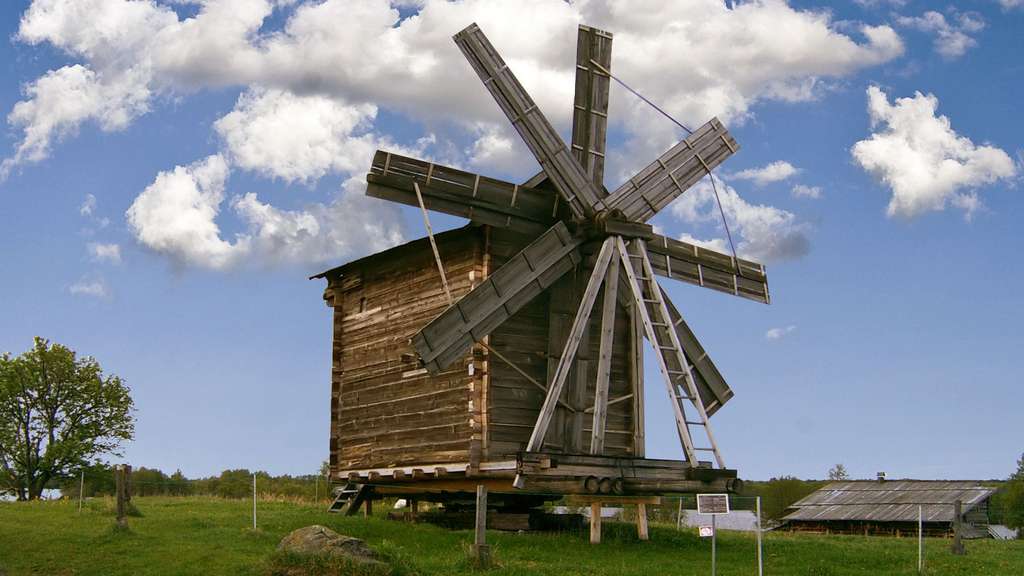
x,y
804,191
360,52
88,205
765,233
1011,4
95,287
297,138
779,333
105,252
773,172
177,214
952,39
924,162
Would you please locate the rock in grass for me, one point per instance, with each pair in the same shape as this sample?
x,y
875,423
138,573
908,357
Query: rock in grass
x,y
321,540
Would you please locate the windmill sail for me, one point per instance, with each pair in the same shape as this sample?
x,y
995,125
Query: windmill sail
x,y
691,263
682,166
447,337
563,170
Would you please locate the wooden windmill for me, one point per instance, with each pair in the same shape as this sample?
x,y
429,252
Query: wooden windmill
x,y
554,389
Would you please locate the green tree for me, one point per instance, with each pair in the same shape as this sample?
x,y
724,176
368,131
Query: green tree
x,y
58,413
1013,498
838,472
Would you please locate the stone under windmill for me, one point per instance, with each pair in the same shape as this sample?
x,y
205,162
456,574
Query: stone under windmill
x,y
476,357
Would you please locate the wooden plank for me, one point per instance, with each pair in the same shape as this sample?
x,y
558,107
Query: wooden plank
x,y
604,360
564,172
590,102
501,295
575,333
679,168
707,268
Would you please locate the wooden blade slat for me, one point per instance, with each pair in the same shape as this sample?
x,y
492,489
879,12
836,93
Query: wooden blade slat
x,y
459,193
682,166
691,263
714,392
565,173
525,275
590,103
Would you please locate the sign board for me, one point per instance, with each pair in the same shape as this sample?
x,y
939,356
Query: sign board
x,y
712,503
705,531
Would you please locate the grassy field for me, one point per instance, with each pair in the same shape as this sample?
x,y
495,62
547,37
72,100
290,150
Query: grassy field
x,y
214,536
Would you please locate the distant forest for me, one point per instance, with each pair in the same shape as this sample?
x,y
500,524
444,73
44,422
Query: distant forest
x,y
777,494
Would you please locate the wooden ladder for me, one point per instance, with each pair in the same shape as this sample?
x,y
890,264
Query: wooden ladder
x,y
348,499
676,370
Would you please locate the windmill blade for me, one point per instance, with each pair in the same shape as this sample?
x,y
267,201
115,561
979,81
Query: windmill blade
x,y
714,392
524,276
691,263
682,166
478,198
565,173
590,103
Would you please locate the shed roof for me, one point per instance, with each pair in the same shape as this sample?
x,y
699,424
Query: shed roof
x,y
889,501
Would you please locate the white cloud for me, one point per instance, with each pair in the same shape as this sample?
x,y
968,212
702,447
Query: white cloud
x,y
922,160
177,216
88,205
765,233
1011,4
94,287
105,252
773,172
360,52
952,39
779,333
297,138
804,191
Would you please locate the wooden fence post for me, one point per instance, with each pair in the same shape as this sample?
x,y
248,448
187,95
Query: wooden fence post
x,y
595,522
481,551
120,489
958,545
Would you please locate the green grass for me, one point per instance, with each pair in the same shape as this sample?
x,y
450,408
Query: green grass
x,y
213,536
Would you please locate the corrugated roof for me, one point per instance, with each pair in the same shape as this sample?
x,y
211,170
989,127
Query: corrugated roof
x,y
889,501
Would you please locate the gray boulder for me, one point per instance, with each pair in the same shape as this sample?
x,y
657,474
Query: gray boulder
x,y
322,540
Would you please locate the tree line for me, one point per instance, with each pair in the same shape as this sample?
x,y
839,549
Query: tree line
x,y
98,480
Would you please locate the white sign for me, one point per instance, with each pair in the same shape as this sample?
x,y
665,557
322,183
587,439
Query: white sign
x,y
705,531
712,503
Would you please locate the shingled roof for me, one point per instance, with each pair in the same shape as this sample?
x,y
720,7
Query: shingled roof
x,y
889,501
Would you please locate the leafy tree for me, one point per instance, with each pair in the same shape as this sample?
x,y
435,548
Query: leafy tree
x,y
838,472
1013,498
58,413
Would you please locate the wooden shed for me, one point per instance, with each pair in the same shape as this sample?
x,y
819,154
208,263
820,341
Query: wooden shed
x,y
395,425
891,508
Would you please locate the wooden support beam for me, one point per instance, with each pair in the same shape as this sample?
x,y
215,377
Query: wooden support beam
x,y
595,522
636,379
641,522
522,373
604,359
575,333
433,243
481,551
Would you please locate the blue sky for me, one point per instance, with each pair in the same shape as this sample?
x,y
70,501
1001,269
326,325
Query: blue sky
x,y
893,338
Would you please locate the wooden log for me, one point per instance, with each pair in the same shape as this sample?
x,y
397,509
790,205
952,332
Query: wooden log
x,y
641,522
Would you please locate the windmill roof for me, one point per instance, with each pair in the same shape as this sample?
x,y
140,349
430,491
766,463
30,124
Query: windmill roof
x,y
889,501
391,251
